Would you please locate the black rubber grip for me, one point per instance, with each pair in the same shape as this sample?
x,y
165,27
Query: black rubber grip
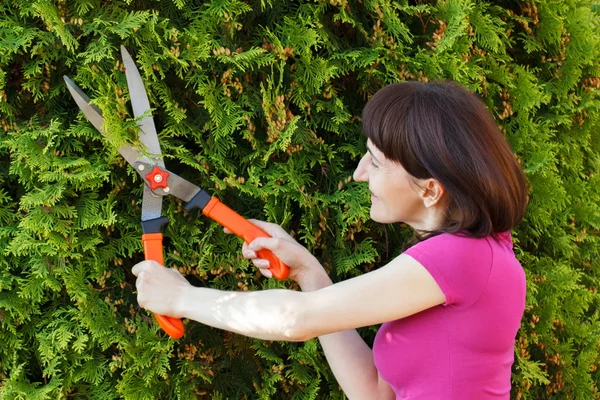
x,y
154,225
200,200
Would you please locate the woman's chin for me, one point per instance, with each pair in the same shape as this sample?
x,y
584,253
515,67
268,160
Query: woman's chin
x,y
378,216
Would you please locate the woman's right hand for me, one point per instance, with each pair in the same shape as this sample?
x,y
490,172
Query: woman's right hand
x,y
304,267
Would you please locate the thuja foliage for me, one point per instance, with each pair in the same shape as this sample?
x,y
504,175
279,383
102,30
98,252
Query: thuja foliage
x,y
260,102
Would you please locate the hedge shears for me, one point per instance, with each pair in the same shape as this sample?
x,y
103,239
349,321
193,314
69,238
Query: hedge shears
x,y
159,182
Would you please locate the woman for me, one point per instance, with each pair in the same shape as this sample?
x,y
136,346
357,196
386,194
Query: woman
x,y
450,305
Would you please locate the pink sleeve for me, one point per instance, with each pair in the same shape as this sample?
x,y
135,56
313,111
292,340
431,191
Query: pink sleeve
x,y
460,266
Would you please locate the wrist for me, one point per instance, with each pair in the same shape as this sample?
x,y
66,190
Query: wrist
x,y
314,280
183,301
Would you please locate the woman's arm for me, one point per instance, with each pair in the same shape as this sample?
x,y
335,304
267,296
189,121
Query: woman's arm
x,y
351,361
399,289
356,374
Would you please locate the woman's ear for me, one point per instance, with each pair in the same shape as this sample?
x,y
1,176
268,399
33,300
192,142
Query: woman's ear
x,y
432,193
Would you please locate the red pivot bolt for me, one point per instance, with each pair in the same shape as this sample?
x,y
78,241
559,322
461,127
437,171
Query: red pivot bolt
x,y
157,178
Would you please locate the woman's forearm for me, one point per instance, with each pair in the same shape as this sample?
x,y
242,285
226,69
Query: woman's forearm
x,y
268,314
275,314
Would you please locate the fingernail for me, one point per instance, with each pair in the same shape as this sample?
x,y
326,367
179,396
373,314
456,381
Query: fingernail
x,y
266,273
252,254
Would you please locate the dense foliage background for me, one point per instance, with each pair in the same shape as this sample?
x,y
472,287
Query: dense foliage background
x,y
260,102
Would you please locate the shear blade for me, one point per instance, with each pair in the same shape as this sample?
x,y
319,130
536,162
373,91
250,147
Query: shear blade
x,y
151,205
94,115
141,106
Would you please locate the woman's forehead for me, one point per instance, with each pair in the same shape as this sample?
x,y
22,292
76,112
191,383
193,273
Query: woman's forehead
x,y
374,150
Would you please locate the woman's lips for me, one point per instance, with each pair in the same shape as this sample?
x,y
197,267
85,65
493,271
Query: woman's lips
x,y
372,195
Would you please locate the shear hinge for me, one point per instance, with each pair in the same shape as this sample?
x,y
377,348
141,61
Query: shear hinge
x,y
157,178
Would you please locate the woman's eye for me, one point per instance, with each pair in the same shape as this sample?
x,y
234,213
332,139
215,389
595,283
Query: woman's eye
x,y
373,164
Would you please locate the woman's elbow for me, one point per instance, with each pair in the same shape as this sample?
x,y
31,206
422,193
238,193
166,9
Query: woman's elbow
x,y
299,325
298,334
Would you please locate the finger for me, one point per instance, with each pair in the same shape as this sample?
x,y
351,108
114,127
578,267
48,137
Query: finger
x,y
147,265
142,299
266,273
260,243
139,267
247,253
226,230
262,264
139,283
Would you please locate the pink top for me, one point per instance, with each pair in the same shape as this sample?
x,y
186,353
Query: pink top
x,y
463,349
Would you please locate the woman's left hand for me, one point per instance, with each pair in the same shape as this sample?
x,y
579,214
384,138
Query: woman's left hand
x,y
160,290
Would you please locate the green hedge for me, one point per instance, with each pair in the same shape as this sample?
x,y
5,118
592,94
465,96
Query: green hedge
x,y
259,102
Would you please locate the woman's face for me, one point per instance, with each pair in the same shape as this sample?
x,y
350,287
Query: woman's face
x,y
394,194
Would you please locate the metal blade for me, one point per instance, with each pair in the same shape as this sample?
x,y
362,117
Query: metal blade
x,y
94,115
151,205
141,106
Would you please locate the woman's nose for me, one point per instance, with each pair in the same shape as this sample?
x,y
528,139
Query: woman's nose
x,y
360,173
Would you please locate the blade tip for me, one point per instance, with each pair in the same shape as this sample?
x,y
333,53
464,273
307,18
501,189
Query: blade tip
x,y
124,52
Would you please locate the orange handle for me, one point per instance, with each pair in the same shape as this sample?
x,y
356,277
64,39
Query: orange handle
x,y
237,224
153,250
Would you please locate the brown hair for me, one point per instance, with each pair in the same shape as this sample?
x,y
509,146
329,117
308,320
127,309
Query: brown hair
x,y
440,130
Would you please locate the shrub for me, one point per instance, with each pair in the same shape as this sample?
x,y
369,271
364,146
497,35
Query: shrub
x,y
259,102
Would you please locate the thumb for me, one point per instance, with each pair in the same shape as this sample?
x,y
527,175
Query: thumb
x,y
145,265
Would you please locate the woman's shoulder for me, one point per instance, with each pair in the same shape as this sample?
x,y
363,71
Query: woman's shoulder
x,y
463,237
462,265
457,244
